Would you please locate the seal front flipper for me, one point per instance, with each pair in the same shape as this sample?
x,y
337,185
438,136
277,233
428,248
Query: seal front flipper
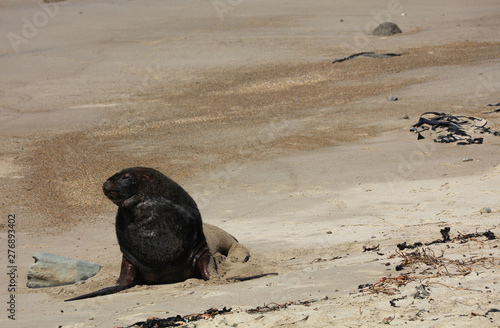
x,y
127,279
204,262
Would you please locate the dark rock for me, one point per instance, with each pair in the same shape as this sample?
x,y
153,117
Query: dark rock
x,y
386,29
445,233
490,235
53,270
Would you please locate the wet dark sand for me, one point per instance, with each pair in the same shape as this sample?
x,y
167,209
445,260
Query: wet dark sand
x,y
231,116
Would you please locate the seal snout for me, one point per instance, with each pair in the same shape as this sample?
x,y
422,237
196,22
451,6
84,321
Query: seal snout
x,y
107,187
110,191
120,187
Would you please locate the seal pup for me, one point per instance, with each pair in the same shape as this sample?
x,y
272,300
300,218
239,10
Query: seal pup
x,y
159,230
219,241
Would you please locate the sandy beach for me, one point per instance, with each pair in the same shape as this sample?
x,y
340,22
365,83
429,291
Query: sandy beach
x,y
307,162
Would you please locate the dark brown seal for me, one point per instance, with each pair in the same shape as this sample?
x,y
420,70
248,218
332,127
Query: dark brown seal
x,y
159,230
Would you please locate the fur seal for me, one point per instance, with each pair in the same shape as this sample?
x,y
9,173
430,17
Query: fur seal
x,y
159,230
161,234
219,241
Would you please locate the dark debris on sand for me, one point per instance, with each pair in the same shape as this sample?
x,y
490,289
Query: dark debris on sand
x,y
212,312
453,128
445,233
438,264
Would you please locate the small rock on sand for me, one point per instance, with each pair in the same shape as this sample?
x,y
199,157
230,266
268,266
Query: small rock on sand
x,y
386,29
485,210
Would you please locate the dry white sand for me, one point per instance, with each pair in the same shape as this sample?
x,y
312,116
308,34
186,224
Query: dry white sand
x,y
304,161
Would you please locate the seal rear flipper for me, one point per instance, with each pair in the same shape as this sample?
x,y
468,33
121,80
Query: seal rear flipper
x,y
104,291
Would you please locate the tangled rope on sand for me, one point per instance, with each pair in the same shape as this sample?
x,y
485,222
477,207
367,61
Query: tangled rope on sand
x,y
451,128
